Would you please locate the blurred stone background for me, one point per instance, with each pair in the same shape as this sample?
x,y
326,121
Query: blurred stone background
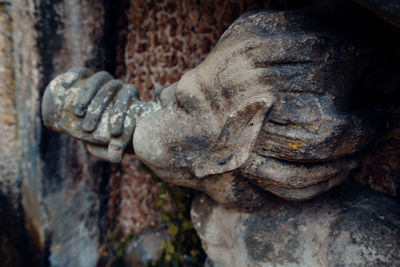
x,y
59,205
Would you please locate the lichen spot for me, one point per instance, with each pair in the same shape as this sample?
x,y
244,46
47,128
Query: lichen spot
x,y
293,145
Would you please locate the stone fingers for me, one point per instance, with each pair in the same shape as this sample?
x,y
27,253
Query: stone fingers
x,y
99,103
93,84
117,124
117,145
123,100
158,91
73,75
97,151
115,149
57,96
94,108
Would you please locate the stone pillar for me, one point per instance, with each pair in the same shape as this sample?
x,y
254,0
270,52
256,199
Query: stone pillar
x,y
13,249
63,187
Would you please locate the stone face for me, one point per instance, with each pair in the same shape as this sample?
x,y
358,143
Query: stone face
x,y
158,41
287,123
349,226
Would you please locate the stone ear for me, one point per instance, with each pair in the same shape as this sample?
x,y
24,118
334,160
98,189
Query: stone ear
x,y
236,139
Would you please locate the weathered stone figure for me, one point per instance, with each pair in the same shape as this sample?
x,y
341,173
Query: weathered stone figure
x,y
270,109
277,106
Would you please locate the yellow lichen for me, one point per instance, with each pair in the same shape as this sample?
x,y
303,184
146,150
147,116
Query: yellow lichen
x,y
294,126
294,145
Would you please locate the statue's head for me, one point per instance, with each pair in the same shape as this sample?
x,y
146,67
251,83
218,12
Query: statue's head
x,y
273,102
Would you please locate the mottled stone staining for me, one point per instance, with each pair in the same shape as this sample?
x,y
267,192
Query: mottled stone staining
x,y
351,226
12,239
8,140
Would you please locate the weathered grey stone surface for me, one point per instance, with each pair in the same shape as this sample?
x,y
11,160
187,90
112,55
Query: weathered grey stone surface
x,y
99,110
283,123
348,226
9,178
13,251
270,108
62,186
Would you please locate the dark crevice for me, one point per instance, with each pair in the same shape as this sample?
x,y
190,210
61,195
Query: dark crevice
x,y
115,28
48,26
114,36
14,238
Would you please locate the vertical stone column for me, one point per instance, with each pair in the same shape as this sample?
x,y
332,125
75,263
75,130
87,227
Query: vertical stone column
x,y
62,186
8,140
13,250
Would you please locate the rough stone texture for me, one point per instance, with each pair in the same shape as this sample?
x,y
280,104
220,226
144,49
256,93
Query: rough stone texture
x,y
288,124
349,226
72,33
13,249
8,158
138,58
144,41
298,72
62,186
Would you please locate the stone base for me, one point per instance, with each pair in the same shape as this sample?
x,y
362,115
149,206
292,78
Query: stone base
x,y
348,226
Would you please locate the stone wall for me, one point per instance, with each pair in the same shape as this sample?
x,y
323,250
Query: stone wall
x,y
12,232
62,186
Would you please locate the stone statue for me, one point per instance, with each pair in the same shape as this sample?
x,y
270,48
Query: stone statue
x,y
280,105
274,107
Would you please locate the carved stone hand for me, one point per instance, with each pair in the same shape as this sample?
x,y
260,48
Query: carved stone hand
x,y
94,108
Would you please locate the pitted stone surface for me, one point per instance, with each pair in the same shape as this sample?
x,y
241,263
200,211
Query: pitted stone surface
x,y
287,124
348,226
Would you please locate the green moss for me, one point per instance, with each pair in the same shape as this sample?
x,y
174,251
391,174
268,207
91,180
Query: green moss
x,y
119,243
185,247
